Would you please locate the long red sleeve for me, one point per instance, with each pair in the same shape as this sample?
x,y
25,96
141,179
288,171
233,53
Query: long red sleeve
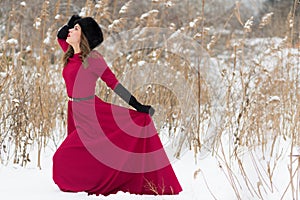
x,y
98,65
63,44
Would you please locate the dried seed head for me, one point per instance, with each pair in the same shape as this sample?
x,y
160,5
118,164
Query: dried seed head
x,y
169,4
291,23
37,23
266,19
12,42
124,9
248,25
150,14
117,24
195,22
212,42
172,26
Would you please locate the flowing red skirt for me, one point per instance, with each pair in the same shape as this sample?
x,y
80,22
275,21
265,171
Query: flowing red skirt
x,y
109,149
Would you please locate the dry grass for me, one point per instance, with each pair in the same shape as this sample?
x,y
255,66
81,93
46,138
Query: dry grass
x,y
259,101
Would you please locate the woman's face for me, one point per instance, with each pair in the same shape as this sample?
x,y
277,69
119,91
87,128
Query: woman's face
x,y
74,36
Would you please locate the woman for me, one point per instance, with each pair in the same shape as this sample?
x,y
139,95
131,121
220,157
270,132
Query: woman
x,y
108,148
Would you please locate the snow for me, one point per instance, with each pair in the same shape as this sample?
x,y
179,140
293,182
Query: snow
x,y
23,3
150,13
37,23
169,4
48,40
84,11
248,24
57,16
3,74
125,7
97,6
12,41
274,99
34,184
206,178
142,63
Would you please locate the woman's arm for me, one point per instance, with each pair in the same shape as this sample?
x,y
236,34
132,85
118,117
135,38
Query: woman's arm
x,y
98,65
131,100
109,78
63,44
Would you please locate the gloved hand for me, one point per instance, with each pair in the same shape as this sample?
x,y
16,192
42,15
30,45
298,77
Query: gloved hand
x,y
64,31
139,107
72,20
131,100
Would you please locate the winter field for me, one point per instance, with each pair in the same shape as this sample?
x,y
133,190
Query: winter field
x,y
210,178
223,77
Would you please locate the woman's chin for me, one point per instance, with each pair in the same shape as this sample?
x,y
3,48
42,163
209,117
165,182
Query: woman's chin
x,y
68,41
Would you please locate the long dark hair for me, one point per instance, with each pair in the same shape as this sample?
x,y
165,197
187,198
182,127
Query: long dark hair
x,y
84,47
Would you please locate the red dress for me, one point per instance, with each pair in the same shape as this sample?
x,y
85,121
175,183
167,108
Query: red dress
x,y
108,148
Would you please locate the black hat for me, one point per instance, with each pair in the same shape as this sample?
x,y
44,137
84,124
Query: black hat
x,y
91,30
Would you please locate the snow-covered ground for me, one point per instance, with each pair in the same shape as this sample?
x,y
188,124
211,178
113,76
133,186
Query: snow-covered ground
x,y
211,181
31,183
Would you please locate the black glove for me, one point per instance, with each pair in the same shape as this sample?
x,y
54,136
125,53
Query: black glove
x,y
139,107
64,31
131,100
